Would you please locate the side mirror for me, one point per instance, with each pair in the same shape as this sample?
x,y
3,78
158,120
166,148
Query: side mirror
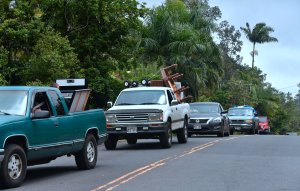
x,y
40,114
224,112
255,114
174,102
109,104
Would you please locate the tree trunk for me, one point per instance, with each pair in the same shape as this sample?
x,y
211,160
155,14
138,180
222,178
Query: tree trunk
x,y
253,53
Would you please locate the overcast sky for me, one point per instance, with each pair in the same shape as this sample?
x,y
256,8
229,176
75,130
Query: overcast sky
x,y
279,60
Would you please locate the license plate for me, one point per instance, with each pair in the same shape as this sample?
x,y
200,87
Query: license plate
x,y
197,127
237,128
131,129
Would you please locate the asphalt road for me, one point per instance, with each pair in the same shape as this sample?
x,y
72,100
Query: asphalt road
x,y
236,163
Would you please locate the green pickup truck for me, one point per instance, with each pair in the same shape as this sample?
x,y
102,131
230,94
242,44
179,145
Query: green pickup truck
x,y
37,126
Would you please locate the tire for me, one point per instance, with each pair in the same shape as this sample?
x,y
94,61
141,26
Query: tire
x,y
221,134
132,141
231,132
13,167
87,158
111,142
166,138
182,134
252,131
228,132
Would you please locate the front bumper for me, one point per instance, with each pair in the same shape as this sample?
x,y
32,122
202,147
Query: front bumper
x,y
263,129
241,127
1,155
143,131
204,128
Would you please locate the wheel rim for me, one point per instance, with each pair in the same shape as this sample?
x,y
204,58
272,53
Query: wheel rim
x,y
15,166
90,151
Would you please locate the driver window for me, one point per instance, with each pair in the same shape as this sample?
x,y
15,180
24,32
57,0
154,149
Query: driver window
x,y
41,102
220,109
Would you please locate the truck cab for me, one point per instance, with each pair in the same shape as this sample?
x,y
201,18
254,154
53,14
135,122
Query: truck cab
x,y
243,119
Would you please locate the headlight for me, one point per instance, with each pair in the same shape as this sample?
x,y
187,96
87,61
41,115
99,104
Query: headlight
x,y
155,116
248,120
218,120
110,118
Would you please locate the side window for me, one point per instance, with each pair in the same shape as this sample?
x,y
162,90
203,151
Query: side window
x,y
170,97
57,103
220,108
41,102
173,95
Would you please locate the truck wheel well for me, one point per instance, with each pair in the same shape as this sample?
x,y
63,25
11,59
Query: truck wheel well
x,y
19,140
93,132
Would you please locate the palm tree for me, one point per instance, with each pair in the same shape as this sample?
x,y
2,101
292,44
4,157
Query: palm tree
x,y
259,34
176,34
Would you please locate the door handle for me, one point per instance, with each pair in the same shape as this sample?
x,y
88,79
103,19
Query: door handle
x,y
56,124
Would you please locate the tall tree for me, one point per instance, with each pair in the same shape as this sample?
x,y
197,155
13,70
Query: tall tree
x,y
259,34
180,33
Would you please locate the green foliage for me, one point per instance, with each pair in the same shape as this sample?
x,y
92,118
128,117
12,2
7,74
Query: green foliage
x,y
104,89
97,31
37,82
230,42
52,58
3,65
179,33
139,72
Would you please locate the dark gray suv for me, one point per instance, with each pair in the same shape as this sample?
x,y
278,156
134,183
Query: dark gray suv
x,y
208,118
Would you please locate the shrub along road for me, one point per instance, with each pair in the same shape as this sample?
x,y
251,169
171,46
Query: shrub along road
x,y
204,163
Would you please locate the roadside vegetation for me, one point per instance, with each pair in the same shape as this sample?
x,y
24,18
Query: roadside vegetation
x,y
110,41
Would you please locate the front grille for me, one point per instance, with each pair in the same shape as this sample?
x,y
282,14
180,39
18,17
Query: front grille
x,y
237,121
132,117
198,120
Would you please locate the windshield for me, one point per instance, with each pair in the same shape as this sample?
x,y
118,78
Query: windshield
x,y
13,102
240,111
142,97
204,108
262,119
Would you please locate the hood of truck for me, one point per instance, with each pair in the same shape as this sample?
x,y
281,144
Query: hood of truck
x,y
241,117
7,119
137,107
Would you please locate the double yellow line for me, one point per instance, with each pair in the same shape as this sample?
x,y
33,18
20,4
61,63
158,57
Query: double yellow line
x,y
140,171
131,175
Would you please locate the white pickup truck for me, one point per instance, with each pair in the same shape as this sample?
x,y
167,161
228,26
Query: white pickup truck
x,y
146,113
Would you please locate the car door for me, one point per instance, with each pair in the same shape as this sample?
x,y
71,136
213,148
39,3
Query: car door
x,y
176,122
65,123
45,135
